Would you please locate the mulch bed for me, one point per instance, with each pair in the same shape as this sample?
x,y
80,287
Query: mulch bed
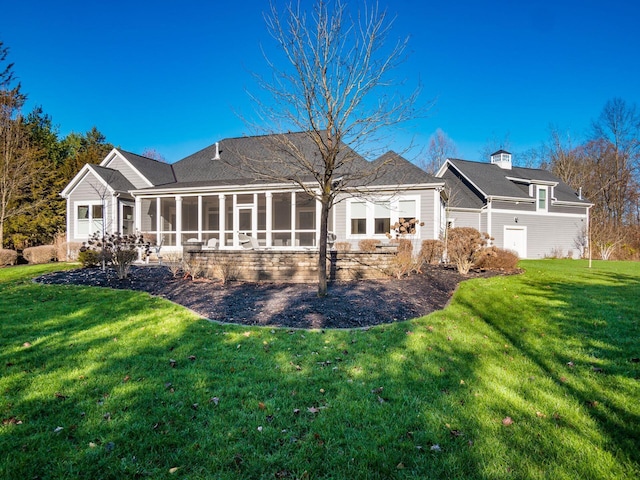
x,y
348,304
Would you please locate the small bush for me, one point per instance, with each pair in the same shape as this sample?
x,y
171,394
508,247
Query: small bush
x,y
226,271
343,247
431,251
463,246
193,267
118,250
71,250
494,258
8,257
404,262
368,245
173,260
40,254
89,258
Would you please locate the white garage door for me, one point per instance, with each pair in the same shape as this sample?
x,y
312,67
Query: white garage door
x,y
515,238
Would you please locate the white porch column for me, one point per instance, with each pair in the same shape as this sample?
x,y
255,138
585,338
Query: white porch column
x,y
317,225
158,221
200,217
137,215
115,225
293,219
236,225
178,221
221,219
269,217
254,217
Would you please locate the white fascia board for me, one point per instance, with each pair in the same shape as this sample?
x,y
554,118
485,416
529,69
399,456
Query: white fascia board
x,y
284,187
512,199
461,209
572,204
443,168
467,178
532,181
82,174
538,214
74,181
116,153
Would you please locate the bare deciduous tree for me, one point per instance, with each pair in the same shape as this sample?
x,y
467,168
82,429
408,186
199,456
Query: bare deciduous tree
x,y
440,148
335,86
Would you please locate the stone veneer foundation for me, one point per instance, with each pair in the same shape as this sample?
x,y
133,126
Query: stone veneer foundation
x,y
296,266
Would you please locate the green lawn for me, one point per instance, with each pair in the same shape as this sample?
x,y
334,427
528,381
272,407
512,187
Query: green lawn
x,y
529,376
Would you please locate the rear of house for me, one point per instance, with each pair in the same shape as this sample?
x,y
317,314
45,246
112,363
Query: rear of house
x,y
526,210
204,198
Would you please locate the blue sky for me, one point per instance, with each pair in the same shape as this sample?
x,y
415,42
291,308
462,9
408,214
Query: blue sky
x,y
172,76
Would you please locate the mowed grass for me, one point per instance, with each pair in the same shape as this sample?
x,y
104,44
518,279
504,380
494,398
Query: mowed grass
x,y
531,376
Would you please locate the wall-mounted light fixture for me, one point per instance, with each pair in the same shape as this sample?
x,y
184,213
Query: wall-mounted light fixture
x,y
515,219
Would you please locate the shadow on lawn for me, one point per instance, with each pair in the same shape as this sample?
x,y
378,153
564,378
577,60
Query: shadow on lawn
x,y
592,319
396,401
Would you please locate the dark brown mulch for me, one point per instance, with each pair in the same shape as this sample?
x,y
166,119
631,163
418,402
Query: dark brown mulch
x,y
348,305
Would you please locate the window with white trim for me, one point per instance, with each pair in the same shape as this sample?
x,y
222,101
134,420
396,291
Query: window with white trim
x,y
376,218
382,218
358,218
407,210
89,219
543,200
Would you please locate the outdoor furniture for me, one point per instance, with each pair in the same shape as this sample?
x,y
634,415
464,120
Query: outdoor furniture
x,y
248,242
212,244
331,240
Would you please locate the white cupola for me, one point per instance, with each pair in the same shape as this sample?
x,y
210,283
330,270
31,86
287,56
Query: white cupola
x,y
501,158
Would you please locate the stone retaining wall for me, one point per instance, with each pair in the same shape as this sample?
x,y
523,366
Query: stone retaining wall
x,y
300,267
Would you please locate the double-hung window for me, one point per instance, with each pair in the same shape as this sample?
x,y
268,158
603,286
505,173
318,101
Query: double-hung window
x,y
90,219
377,217
542,199
382,218
358,218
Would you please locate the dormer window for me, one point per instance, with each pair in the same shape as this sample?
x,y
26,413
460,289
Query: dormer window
x,y
543,198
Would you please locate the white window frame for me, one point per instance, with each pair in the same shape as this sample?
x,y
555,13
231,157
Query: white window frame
x,y
540,188
394,211
90,204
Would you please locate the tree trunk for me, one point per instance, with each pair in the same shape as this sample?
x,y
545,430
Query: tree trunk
x,y
322,254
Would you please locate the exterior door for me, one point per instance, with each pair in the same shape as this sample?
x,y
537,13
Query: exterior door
x,y
515,239
245,220
126,228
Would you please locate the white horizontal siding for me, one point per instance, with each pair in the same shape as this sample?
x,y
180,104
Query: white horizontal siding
x,y
546,234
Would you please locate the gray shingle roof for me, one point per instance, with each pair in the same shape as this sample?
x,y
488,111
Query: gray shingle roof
x,y
116,180
266,152
397,170
158,173
492,180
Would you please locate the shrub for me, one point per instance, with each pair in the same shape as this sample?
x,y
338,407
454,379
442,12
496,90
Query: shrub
x,y
71,251
118,250
173,261
226,271
404,262
193,267
343,247
368,245
494,258
431,251
89,258
8,257
463,246
40,254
